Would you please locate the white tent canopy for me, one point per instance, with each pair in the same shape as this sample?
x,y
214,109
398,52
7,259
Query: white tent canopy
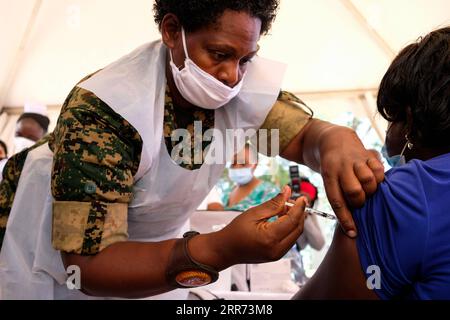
x,y
330,46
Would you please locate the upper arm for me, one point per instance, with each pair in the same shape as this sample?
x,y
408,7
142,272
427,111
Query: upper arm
x,y
340,275
288,116
96,154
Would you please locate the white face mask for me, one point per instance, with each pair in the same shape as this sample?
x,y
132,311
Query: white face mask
x,y
240,176
199,87
21,143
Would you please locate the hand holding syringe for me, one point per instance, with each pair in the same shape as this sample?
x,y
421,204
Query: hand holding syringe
x,y
314,211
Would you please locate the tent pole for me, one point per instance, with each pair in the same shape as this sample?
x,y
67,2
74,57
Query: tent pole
x,y
334,93
20,54
375,35
370,107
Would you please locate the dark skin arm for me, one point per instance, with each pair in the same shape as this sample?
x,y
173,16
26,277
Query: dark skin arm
x,y
350,172
339,275
110,272
134,270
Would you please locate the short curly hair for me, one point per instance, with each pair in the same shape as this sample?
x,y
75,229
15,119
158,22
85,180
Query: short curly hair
x,y
419,78
196,14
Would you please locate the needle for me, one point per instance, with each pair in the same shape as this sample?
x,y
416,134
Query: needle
x,y
314,211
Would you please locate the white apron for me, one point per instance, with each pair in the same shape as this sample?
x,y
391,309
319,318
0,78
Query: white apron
x,y
164,194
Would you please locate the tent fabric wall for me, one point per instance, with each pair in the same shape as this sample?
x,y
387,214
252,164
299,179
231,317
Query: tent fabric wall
x,y
326,44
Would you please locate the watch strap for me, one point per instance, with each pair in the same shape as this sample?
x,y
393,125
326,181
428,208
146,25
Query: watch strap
x,y
181,262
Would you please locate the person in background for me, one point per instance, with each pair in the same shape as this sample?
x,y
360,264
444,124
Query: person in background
x,y
31,126
3,157
3,150
403,247
312,234
247,190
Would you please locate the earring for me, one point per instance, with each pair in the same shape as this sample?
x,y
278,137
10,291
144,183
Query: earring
x,y
409,144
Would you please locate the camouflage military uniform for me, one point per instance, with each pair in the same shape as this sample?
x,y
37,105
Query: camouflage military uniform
x,y
97,153
175,118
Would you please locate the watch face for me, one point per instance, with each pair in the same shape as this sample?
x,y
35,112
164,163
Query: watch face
x,y
193,279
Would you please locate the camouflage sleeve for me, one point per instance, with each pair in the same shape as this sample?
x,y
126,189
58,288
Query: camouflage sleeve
x,y
96,155
288,115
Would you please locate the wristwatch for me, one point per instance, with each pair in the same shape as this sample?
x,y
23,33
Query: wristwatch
x,y
183,271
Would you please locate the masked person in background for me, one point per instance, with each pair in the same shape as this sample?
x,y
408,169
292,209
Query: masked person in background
x,y
112,194
31,126
247,191
3,157
403,245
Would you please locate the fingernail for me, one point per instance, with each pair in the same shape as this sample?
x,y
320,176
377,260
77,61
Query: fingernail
x,y
351,233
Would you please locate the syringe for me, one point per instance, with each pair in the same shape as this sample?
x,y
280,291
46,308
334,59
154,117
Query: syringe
x,y
314,211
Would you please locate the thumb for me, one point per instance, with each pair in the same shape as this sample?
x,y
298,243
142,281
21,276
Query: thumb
x,y
274,206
